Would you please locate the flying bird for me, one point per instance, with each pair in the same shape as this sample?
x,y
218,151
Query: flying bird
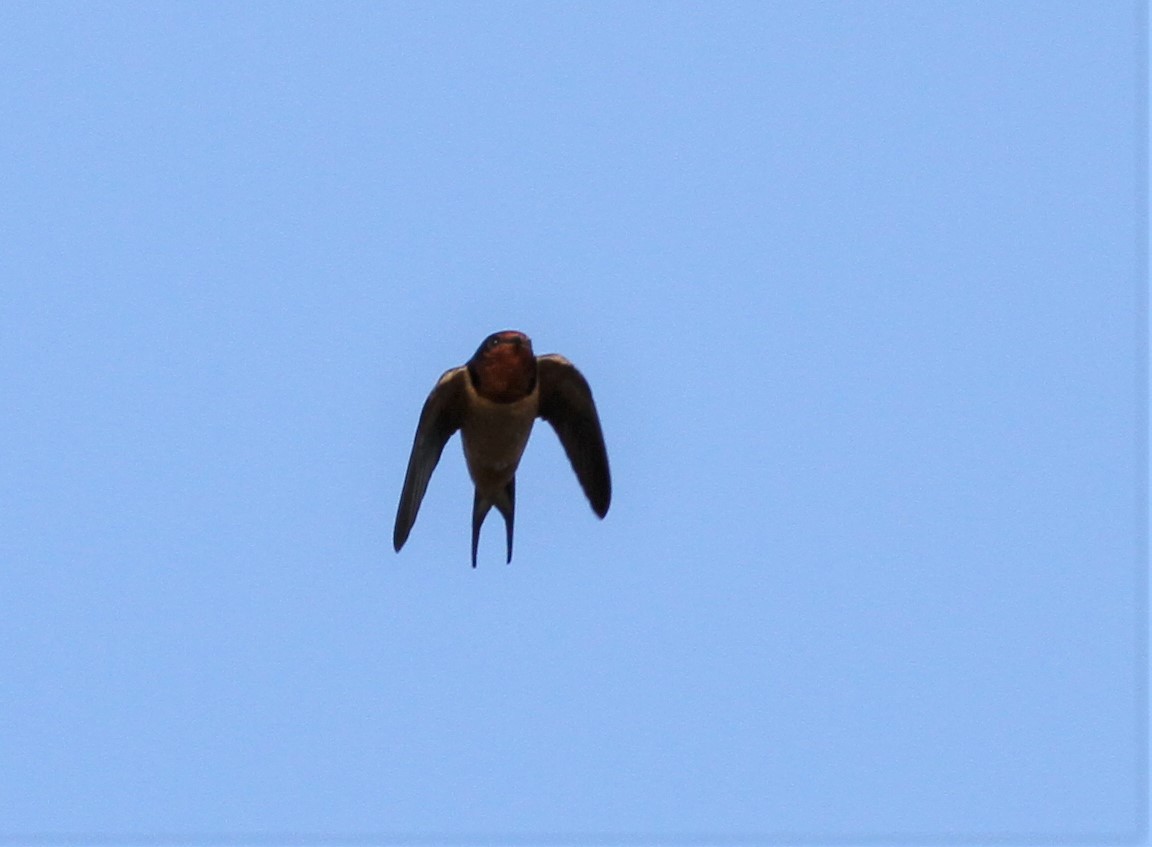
x,y
493,400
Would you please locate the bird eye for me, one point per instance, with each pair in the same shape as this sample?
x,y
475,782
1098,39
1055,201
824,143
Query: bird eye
x,y
493,340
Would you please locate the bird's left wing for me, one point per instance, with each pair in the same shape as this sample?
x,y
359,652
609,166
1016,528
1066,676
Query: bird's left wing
x,y
566,403
442,415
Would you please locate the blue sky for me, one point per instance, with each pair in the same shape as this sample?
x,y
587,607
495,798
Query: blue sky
x,y
858,288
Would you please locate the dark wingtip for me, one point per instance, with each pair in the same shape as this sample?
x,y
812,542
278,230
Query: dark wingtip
x,y
600,500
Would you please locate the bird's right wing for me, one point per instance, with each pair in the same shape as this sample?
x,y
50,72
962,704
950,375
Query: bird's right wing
x,y
442,415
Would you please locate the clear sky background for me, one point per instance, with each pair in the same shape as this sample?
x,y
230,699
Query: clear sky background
x,y
858,288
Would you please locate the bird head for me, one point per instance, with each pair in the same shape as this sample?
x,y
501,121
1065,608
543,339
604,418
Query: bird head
x,y
503,368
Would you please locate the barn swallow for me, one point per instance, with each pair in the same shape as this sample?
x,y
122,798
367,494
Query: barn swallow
x,y
493,400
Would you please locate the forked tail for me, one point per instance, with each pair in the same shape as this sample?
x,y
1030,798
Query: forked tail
x,y
505,503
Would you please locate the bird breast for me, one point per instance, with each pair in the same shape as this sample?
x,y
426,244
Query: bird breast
x,y
494,437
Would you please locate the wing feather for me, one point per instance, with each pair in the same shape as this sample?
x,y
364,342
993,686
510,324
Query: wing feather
x,y
566,403
439,420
